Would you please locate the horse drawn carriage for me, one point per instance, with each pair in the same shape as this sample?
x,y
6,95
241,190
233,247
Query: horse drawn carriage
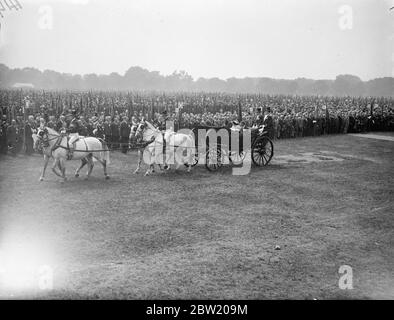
x,y
217,154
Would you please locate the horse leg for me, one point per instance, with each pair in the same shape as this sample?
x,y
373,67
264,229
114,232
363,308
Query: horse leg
x,y
150,170
139,162
179,161
55,164
147,173
90,166
189,155
62,167
84,162
104,164
46,160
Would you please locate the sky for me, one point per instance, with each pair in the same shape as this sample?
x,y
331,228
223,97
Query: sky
x,y
284,39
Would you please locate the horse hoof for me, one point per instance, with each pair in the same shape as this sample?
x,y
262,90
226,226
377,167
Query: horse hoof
x,y
41,179
106,177
136,172
76,175
87,178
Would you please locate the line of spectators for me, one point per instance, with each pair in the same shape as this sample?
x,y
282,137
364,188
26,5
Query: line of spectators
x,y
292,116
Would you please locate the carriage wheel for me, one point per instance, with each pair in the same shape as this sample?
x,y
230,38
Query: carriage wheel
x,y
195,161
237,158
211,154
262,151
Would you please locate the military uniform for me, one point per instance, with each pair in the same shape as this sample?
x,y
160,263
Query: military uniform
x,y
124,135
268,123
73,129
3,137
115,134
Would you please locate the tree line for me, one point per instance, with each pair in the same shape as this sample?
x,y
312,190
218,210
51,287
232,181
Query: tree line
x,y
137,78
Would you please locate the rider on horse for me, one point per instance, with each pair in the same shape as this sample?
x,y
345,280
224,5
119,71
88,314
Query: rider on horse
x,y
133,129
73,129
162,120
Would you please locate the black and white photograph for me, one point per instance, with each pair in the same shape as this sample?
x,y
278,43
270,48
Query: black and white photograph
x,y
199,150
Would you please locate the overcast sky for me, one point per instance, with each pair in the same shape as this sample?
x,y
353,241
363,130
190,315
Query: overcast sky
x,y
207,38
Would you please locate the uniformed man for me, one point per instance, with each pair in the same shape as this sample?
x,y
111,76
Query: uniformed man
x,y
30,126
51,122
259,118
162,120
12,133
133,128
268,123
107,131
124,134
115,132
61,124
3,135
73,129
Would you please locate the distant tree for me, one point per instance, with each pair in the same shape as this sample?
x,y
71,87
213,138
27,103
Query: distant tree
x,y
91,81
4,75
347,85
380,87
137,78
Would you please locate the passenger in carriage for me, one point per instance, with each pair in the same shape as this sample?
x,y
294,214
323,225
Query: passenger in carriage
x,y
61,124
98,128
268,123
259,118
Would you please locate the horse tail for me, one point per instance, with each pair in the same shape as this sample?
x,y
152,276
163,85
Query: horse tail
x,y
105,153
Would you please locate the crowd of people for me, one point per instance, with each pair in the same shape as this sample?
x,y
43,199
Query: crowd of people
x,y
114,117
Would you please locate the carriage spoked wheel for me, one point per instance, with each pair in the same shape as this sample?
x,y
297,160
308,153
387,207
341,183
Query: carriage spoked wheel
x,y
262,151
237,158
212,154
195,161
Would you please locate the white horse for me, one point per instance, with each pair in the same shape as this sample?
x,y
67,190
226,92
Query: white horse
x,y
57,146
175,145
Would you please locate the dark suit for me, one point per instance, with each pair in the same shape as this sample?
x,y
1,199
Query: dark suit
x,y
124,135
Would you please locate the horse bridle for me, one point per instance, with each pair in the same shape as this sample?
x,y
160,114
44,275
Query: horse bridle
x,y
139,132
140,129
44,138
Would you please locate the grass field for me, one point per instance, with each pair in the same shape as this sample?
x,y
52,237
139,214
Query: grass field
x,y
205,235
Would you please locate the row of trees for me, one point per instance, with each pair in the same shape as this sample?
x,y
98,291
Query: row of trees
x,y
137,78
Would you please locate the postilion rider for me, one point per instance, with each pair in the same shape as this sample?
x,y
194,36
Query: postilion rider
x,y
73,130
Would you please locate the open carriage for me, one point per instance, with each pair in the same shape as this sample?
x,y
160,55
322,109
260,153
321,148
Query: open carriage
x,y
261,148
